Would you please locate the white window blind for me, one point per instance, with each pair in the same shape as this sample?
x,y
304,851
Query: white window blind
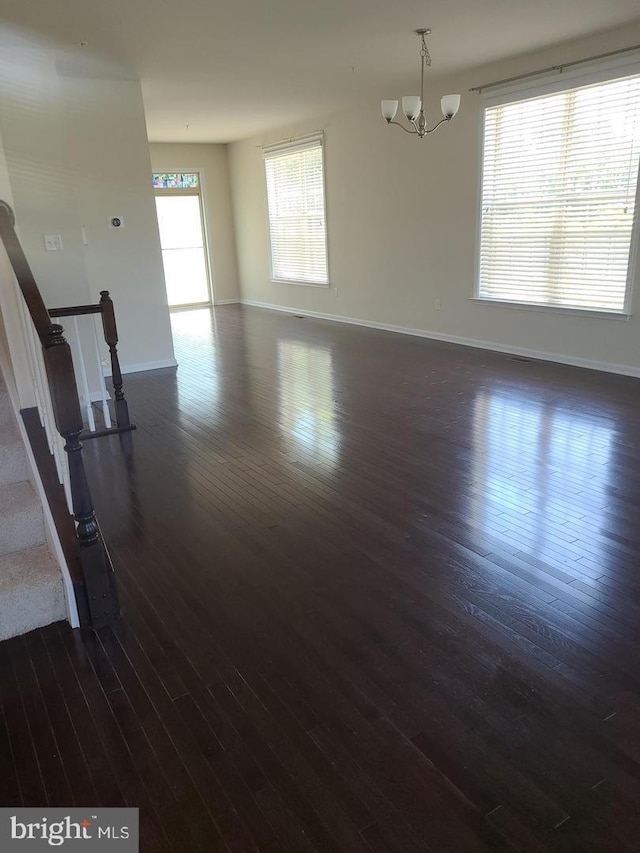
x,y
297,226
559,183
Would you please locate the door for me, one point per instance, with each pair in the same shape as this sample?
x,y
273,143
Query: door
x,y
184,254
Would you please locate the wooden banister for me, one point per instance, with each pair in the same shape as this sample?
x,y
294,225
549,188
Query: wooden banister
x,y
111,337
75,311
32,297
97,595
106,310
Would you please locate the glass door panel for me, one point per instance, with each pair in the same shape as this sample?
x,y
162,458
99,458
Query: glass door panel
x,y
183,251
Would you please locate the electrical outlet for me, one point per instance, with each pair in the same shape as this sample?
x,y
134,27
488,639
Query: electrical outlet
x,y
437,304
52,242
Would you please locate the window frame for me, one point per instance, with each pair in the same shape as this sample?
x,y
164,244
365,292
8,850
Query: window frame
x,y
559,80
291,145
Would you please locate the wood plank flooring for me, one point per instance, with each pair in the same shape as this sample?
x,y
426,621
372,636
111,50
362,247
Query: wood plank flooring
x,y
379,594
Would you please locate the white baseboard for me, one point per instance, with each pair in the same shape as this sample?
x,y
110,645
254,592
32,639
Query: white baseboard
x,y
147,365
590,364
227,302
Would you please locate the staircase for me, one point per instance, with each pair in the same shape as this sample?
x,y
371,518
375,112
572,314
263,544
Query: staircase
x,y
31,586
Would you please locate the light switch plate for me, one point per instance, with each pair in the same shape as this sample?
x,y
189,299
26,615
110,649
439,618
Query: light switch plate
x,y
52,242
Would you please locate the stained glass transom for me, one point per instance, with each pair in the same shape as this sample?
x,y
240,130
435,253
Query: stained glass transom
x,y
176,180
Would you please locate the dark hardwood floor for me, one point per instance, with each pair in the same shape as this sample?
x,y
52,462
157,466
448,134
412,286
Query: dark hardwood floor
x,y
379,594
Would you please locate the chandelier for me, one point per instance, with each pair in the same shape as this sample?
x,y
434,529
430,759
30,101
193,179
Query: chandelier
x,y
413,105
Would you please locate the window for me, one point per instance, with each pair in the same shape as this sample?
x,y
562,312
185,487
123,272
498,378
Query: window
x,y
559,184
295,198
176,180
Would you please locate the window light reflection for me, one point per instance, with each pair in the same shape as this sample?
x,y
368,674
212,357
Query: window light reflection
x,y
193,333
306,397
540,475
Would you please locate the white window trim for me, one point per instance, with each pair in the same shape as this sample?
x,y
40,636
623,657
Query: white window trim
x,y
597,71
551,309
297,144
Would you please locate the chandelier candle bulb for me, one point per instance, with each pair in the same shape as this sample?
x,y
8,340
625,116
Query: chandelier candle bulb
x,y
450,104
389,109
413,105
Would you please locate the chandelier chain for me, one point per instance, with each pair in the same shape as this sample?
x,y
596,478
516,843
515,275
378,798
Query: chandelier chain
x,y
424,52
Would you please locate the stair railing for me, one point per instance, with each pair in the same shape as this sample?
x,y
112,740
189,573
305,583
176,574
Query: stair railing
x,y
59,404
106,310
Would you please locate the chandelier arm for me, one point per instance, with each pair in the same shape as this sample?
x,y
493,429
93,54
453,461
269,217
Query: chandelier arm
x,y
436,126
406,129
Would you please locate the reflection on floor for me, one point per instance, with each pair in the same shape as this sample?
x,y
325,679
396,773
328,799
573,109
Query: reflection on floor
x,y
542,476
305,385
379,594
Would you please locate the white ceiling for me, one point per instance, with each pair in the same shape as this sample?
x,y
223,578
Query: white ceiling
x,y
236,68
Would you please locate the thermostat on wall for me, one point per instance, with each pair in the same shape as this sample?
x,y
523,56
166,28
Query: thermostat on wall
x,y
116,221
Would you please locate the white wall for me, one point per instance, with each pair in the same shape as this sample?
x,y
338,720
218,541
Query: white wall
x,y
13,352
402,216
212,163
76,152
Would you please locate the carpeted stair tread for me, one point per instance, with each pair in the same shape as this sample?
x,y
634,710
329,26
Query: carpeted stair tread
x,y
31,585
6,415
31,591
21,518
13,458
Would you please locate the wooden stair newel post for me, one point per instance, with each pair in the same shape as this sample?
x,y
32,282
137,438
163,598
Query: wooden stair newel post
x,y
102,596
111,338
